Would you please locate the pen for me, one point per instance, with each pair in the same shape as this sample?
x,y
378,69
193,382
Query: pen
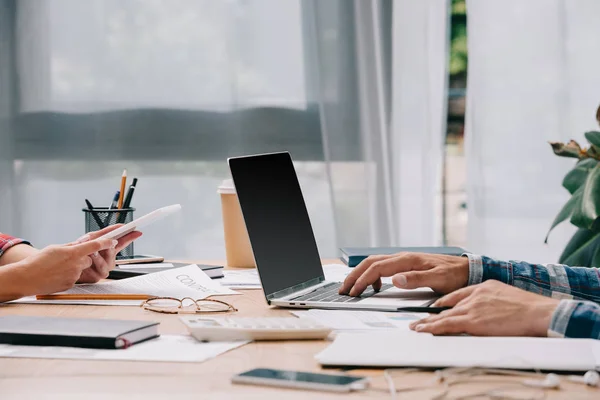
x,y
114,203
430,310
112,206
127,201
122,191
94,214
109,296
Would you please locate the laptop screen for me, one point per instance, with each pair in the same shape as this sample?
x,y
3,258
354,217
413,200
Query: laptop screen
x,y
277,221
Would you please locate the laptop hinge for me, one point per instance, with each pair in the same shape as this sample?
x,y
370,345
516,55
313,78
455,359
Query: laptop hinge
x,y
296,288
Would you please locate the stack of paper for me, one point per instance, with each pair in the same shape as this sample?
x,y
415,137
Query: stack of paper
x,y
349,320
240,279
188,281
404,349
168,348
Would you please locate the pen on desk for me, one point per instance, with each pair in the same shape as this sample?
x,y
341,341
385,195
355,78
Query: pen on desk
x,y
122,191
430,310
95,214
127,201
109,296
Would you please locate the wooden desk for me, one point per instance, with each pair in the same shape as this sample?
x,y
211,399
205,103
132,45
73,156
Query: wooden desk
x,y
80,379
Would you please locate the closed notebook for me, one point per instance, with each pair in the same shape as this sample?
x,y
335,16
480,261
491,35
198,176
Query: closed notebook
x,y
352,256
75,332
129,270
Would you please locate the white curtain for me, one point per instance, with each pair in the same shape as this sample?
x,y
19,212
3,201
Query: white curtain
x,y
356,90
419,115
201,54
97,68
402,90
532,78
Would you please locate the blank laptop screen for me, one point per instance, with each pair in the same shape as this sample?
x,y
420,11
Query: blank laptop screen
x,y
277,220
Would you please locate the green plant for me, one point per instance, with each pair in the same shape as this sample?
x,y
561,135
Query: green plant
x,y
583,208
458,40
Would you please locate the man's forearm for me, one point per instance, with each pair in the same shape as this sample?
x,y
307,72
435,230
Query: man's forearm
x,y
17,253
552,280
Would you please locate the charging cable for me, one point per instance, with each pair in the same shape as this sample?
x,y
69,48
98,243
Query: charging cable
x,y
455,376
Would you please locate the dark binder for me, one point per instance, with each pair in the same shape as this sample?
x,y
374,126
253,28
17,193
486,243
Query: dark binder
x,y
352,256
75,332
122,272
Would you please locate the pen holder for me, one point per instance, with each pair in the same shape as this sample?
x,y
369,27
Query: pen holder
x,y
101,217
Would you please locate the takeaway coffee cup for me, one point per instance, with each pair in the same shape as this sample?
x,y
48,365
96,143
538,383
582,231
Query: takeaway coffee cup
x,y
237,244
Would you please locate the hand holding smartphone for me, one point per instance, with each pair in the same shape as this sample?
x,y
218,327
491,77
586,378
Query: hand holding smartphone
x,y
302,380
142,221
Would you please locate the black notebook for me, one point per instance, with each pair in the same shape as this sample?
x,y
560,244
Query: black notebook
x,y
352,256
125,271
75,332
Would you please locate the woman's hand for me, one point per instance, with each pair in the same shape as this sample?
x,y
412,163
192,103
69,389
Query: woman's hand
x,y
104,261
491,308
442,273
52,269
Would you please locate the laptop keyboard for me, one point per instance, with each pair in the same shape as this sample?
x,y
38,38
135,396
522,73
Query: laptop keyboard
x,y
329,294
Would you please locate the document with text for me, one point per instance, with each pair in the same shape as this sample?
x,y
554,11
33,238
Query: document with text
x,y
188,281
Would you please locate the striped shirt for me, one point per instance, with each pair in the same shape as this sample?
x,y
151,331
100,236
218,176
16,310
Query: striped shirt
x,y
578,288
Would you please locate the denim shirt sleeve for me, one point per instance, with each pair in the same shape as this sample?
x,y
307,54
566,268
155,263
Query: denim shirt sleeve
x,y
574,317
552,280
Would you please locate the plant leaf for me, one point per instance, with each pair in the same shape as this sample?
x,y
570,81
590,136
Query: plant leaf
x,y
577,240
595,260
593,137
571,149
585,252
598,115
589,207
576,177
566,211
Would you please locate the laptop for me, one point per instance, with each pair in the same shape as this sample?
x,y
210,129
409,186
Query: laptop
x,y
284,245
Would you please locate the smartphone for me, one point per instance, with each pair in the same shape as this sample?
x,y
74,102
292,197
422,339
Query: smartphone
x,y
301,380
142,221
138,259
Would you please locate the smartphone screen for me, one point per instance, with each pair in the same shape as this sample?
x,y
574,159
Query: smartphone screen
x,y
294,376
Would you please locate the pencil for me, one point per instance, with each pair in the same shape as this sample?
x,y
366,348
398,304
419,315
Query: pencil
x,y
110,296
122,194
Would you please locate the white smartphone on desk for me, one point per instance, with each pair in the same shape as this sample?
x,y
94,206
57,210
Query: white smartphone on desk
x,y
302,380
142,221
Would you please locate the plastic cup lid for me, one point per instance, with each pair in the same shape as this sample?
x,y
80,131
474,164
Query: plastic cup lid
x,y
226,187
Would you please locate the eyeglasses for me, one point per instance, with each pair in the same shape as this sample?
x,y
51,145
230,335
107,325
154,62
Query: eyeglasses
x,y
187,305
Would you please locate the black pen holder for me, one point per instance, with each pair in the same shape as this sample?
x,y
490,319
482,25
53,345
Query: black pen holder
x,y
101,217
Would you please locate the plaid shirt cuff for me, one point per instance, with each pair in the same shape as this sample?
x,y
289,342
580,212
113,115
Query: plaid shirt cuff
x,y
6,242
482,268
475,269
575,319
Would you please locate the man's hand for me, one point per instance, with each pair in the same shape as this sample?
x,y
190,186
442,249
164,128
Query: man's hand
x,y
52,269
491,308
442,273
104,261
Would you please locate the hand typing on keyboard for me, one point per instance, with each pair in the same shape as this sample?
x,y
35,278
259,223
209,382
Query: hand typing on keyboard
x,y
442,273
330,293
